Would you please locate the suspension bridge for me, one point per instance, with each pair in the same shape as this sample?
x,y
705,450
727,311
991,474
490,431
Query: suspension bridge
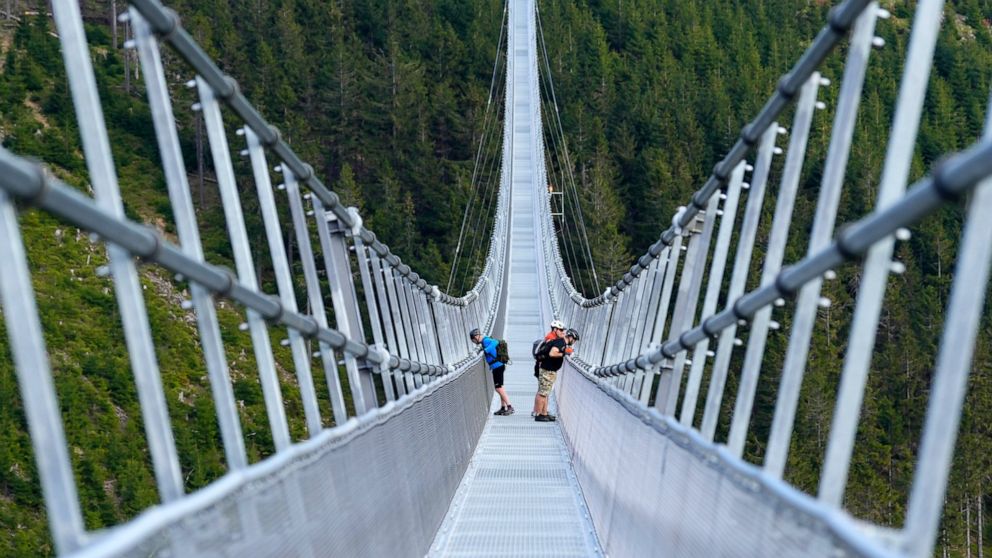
x,y
417,464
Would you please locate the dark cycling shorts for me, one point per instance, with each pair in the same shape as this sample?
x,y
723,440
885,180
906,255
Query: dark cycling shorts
x,y
498,376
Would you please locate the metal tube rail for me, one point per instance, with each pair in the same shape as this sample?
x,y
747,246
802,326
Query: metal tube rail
x,y
952,179
29,183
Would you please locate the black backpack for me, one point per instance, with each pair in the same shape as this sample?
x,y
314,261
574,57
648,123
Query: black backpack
x,y
540,349
502,352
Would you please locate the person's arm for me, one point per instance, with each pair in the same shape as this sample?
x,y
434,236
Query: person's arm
x,y
555,352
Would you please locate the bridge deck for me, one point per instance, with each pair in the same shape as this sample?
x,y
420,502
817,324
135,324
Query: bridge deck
x,y
519,496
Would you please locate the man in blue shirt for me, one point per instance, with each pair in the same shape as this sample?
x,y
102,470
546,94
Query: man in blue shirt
x,y
498,368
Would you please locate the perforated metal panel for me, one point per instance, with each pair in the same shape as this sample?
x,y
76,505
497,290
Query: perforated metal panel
x,y
379,486
655,488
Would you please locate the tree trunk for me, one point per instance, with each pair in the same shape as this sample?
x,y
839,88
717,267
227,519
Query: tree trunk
x,y
967,525
981,524
943,535
113,21
127,60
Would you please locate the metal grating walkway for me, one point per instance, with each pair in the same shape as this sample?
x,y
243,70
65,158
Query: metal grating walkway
x,y
520,496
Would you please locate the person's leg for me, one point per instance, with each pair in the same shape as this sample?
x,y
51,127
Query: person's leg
x,y
504,399
498,384
543,390
548,383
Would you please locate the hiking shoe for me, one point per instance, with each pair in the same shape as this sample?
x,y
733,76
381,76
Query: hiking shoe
x,y
551,418
509,410
542,418
501,412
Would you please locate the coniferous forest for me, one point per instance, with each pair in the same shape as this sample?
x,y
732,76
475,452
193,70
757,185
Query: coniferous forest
x,y
389,100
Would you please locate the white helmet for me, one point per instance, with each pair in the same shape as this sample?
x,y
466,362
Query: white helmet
x,y
557,324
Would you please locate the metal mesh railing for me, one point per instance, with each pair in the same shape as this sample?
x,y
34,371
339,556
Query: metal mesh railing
x,y
657,488
396,335
659,331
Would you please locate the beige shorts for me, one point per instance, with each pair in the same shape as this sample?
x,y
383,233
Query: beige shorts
x,y
546,379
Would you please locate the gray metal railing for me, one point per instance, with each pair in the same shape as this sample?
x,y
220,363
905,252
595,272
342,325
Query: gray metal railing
x,y
644,331
418,333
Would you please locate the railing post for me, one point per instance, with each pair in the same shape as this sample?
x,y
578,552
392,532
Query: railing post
x,y
438,309
457,332
34,377
130,298
314,293
397,313
878,261
217,138
715,278
189,237
384,306
616,323
621,318
645,284
417,318
399,322
284,282
409,318
690,284
429,333
362,259
412,325
804,316
345,300
738,278
388,310
954,364
674,254
409,325
773,263
609,309
438,332
653,304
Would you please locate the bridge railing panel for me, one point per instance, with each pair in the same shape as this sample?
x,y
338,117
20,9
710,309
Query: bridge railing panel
x,y
386,335
656,488
665,333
